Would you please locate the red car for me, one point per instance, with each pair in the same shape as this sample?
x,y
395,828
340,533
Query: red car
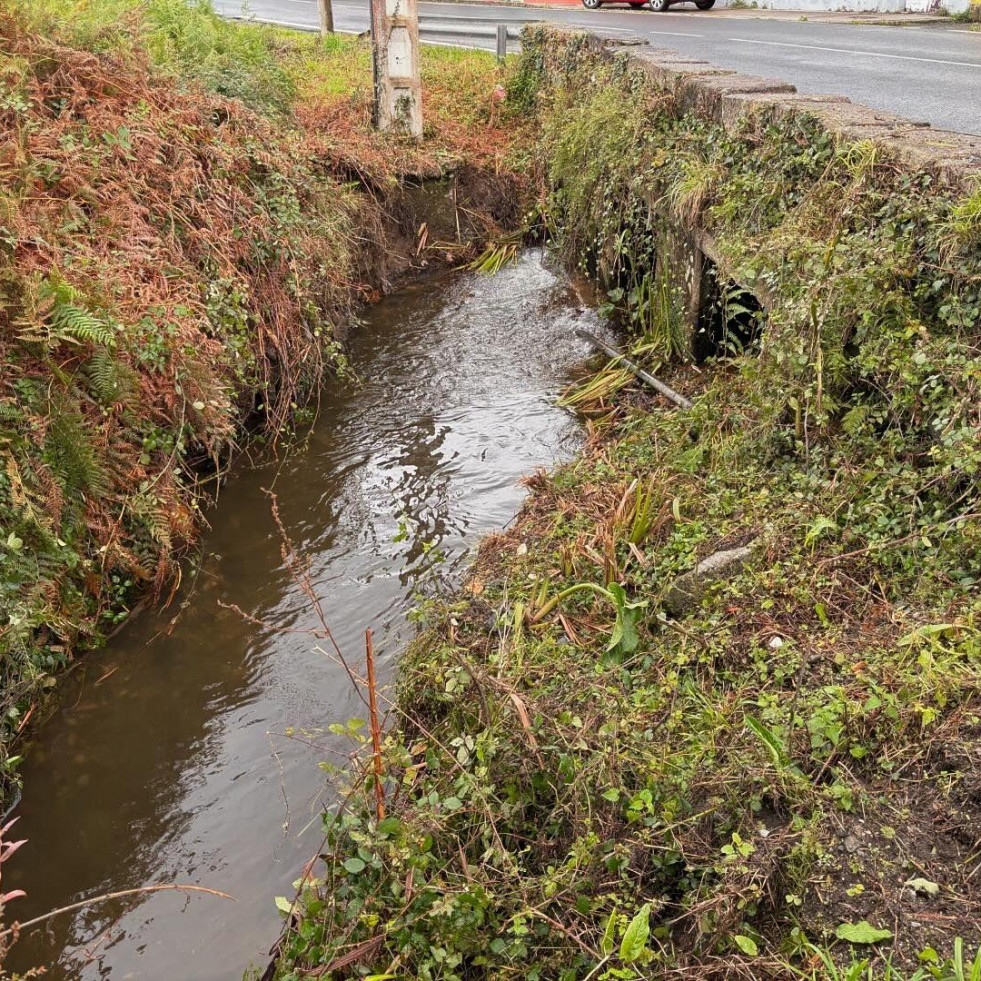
x,y
656,5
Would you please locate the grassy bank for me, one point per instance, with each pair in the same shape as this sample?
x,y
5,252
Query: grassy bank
x,y
190,213
779,776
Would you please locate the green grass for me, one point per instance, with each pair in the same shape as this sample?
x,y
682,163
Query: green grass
x,y
185,37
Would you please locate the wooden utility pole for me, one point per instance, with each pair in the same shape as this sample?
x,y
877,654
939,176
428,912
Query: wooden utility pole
x,y
326,10
395,47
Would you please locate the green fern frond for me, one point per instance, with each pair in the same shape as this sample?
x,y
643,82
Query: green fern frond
x,y
67,320
10,411
71,456
155,518
160,527
74,323
853,421
112,381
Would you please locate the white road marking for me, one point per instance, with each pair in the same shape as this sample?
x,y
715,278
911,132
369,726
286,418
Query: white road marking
x,y
291,23
861,54
675,34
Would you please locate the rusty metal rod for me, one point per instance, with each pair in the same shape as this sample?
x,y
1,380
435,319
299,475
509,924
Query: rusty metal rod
x,y
375,728
635,369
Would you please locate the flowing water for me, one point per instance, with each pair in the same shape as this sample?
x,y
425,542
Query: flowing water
x,y
187,751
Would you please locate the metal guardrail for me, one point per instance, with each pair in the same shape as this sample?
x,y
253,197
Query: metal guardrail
x,y
489,31
503,33
445,26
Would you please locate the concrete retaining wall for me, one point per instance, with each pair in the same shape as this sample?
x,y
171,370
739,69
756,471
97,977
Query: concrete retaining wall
x,y
726,96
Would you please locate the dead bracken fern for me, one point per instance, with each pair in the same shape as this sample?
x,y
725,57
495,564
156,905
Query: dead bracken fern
x,y
188,209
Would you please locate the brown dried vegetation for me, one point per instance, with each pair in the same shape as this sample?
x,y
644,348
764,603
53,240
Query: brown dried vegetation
x,y
175,265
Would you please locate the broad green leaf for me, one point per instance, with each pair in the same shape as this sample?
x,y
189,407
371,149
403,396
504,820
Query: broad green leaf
x,y
389,826
769,739
746,944
635,939
862,933
624,632
354,865
283,904
606,944
926,632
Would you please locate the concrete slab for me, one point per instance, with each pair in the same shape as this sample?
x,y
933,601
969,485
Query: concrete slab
x,y
708,95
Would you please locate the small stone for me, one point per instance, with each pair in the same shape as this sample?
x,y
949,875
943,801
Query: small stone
x,y
522,549
924,887
775,643
851,844
686,592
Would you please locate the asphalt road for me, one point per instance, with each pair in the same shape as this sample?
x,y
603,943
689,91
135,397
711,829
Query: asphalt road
x,y
928,73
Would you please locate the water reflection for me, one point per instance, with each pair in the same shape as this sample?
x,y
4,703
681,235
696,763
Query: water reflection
x,y
168,759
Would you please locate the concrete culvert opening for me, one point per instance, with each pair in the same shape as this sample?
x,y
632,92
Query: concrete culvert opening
x,y
729,320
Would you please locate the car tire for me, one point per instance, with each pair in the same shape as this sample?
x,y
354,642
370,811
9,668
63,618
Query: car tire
x,y
592,4
659,6
705,4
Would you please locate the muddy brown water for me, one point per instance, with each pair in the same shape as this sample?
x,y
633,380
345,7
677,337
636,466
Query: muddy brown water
x,y
168,758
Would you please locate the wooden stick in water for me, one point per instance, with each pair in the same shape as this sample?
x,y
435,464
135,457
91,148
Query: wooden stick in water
x,y
167,887
635,369
375,728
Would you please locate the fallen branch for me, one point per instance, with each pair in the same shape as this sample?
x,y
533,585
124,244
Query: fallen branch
x,y
635,369
167,887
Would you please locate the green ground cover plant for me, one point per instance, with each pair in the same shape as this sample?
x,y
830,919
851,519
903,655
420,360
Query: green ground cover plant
x,y
782,778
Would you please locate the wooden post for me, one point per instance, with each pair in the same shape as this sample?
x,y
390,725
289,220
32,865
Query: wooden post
x,y
502,41
395,46
326,10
